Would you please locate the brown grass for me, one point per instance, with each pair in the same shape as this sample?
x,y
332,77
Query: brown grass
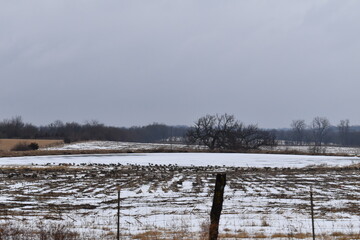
x,y
235,235
8,144
279,235
148,235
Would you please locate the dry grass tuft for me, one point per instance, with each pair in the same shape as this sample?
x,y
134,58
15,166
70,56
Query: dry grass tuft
x,y
235,235
148,235
279,235
259,235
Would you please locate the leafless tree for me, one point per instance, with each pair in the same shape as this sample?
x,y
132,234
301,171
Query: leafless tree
x,y
298,128
225,133
319,127
212,131
344,128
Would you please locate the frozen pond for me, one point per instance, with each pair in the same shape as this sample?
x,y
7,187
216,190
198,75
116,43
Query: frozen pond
x,y
188,159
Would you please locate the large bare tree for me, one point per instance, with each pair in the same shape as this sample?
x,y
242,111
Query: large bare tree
x,y
224,132
212,130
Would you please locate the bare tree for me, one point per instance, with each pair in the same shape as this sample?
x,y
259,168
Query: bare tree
x,y
319,127
344,128
225,133
227,127
212,131
298,128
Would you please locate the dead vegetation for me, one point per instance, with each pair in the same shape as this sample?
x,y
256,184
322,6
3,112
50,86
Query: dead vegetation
x,y
41,231
11,231
7,144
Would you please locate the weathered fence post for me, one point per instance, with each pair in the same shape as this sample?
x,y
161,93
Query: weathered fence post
x,y
217,206
312,212
118,216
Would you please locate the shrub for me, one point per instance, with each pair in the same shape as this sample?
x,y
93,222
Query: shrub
x,y
23,146
34,146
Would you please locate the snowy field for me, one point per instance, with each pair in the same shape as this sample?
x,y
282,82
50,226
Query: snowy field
x,y
128,146
131,146
187,159
352,151
169,195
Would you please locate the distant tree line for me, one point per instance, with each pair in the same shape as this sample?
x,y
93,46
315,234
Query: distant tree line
x,y
91,130
213,131
319,132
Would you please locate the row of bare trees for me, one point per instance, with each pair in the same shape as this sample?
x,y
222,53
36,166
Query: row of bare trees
x,y
224,132
319,132
319,128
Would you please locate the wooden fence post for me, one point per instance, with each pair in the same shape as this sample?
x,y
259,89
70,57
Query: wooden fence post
x,y
217,206
118,216
312,212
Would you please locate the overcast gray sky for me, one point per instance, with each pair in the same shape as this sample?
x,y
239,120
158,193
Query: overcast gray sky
x,y
136,62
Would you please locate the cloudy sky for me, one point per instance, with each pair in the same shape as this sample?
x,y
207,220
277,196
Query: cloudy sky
x,y
136,62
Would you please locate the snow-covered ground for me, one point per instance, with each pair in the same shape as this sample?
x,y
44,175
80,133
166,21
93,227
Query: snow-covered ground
x,y
177,200
188,159
353,151
132,146
113,145
171,194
